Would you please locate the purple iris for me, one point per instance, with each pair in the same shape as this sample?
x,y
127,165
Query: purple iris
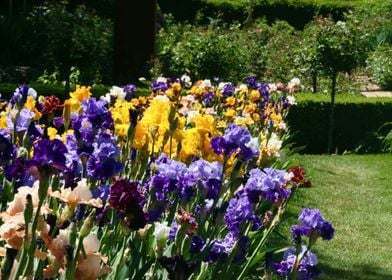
x,y
91,106
197,244
5,132
102,192
170,169
173,230
158,86
269,183
97,113
161,187
298,231
235,138
103,163
228,90
221,248
282,102
58,122
20,95
238,212
73,161
307,266
252,82
49,153
205,170
34,132
185,186
22,123
130,91
209,176
264,89
172,176
207,98
155,212
312,221
18,171
236,135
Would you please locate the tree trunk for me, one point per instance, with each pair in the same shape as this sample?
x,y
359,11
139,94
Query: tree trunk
x,y
331,114
249,19
10,4
134,39
314,81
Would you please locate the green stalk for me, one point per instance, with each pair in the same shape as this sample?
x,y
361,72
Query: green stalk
x,y
116,266
261,243
170,144
21,264
31,250
42,193
274,223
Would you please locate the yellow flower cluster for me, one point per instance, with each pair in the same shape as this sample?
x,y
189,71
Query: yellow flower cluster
x,y
80,94
197,139
121,116
151,130
30,105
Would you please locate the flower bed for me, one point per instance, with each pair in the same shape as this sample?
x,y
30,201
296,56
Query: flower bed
x,y
188,183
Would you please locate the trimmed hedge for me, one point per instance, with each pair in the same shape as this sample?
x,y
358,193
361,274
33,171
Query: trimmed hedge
x,y
296,12
8,89
357,120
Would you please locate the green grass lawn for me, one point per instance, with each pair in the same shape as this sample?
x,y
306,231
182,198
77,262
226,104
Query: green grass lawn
x,y
354,192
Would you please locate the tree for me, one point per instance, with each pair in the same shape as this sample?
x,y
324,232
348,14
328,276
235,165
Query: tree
x,y
62,37
134,39
336,51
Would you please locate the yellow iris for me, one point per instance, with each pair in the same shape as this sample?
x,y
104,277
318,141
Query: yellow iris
x,y
230,101
3,120
52,132
30,105
152,129
230,114
81,93
254,95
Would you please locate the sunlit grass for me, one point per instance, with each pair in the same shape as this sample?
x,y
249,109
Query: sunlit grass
x,y
354,192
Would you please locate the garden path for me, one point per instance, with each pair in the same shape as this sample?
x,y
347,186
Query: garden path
x,y
373,90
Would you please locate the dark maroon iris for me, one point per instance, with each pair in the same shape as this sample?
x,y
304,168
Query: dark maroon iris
x,y
128,201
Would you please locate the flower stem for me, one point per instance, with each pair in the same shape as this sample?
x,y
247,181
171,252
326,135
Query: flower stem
x,y
33,244
261,243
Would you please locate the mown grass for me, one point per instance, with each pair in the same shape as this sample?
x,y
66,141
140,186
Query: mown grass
x,y
353,192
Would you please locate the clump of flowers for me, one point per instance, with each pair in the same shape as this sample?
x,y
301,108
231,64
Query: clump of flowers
x,y
185,183
298,261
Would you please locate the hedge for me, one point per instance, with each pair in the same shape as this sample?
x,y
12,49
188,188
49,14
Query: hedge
x,y
357,121
296,12
7,90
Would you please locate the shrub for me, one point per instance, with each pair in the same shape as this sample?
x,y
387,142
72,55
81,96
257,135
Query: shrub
x,y
357,120
279,52
210,52
237,10
379,65
61,37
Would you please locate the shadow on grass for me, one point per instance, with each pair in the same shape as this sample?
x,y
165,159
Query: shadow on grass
x,y
357,272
